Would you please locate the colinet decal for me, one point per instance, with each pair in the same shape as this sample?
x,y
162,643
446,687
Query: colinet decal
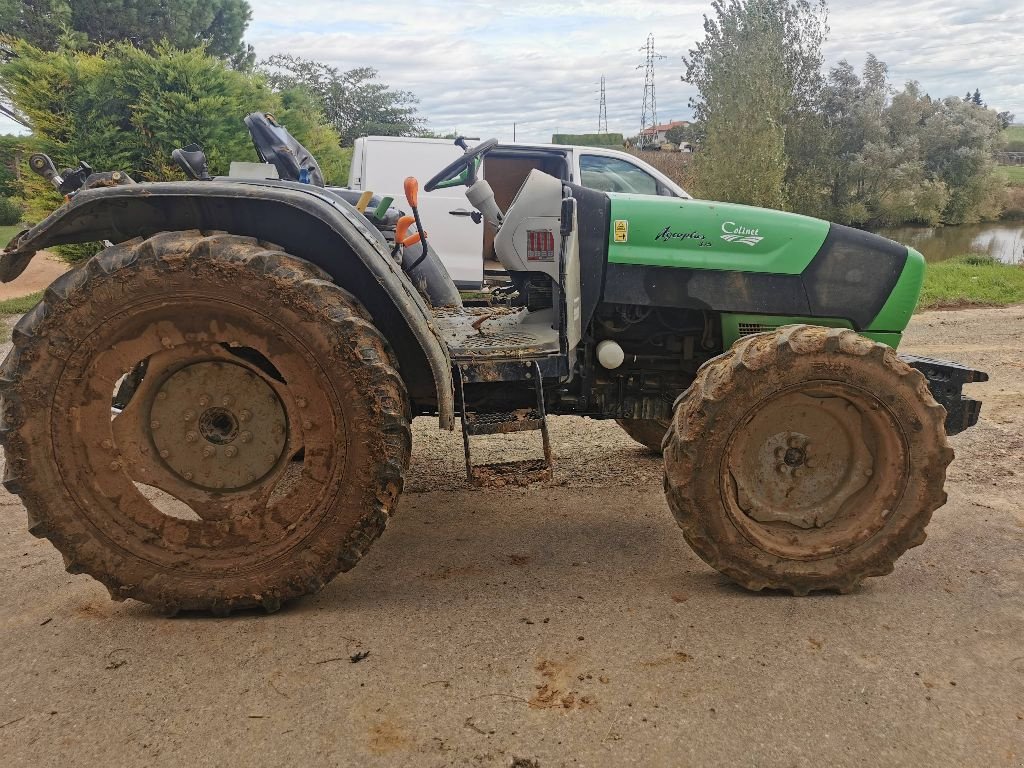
x,y
621,230
667,235
737,234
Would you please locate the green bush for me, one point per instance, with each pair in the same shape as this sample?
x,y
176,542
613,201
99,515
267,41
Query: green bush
x,y
589,139
77,251
9,147
10,212
127,109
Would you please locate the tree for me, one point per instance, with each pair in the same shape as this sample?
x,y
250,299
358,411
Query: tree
x,y
680,134
906,157
353,102
216,24
976,98
1005,119
38,21
758,73
125,108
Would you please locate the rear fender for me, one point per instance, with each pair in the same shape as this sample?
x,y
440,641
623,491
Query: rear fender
x,y
306,221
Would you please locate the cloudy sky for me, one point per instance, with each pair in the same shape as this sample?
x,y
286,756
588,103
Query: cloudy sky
x,y
482,66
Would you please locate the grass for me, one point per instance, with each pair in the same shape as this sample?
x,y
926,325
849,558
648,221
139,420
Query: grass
x,y
972,281
6,233
20,305
1014,174
1014,133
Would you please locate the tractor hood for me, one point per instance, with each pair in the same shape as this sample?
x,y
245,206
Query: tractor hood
x,y
762,260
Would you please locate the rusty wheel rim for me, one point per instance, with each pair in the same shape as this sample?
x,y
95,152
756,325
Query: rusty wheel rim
x,y
814,470
209,386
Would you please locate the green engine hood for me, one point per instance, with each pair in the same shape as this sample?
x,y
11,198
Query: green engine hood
x,y
736,258
669,232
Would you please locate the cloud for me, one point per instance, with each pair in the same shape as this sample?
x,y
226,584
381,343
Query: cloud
x,y
482,66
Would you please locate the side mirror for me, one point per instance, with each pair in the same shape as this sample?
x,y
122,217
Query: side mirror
x,y
192,160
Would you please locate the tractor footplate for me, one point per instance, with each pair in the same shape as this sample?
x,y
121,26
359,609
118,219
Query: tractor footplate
x,y
500,474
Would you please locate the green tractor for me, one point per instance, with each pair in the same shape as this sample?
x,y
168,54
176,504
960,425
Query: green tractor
x,y
213,413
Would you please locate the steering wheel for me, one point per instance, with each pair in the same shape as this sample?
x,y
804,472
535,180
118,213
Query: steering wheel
x,y
461,171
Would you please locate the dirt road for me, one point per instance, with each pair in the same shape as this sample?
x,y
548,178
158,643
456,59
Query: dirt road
x,y
40,272
565,625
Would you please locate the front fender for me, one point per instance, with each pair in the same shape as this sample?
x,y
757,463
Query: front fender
x,y
308,222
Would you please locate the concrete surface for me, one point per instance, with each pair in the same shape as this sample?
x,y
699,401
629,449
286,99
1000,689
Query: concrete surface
x,y
562,625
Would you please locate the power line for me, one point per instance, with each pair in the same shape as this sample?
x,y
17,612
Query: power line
x,y
602,113
649,113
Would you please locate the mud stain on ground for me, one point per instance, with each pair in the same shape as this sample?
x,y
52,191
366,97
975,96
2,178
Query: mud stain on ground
x,y
679,657
386,738
450,572
557,689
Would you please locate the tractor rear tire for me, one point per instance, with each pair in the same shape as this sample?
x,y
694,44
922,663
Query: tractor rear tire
x,y
261,452
806,459
648,432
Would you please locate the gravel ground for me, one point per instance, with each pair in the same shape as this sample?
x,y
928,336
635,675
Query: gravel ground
x,y
558,625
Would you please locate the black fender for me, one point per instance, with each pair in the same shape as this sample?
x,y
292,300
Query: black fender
x,y
308,222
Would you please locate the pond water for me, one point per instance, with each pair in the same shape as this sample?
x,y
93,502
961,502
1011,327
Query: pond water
x,y
1001,240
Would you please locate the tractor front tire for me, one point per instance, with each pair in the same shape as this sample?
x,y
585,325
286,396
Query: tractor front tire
x,y
806,459
259,435
648,432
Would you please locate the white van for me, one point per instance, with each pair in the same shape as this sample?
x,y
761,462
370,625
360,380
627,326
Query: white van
x,y
464,243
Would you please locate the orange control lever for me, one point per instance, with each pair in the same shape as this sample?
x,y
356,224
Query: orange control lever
x,y
402,227
412,191
412,239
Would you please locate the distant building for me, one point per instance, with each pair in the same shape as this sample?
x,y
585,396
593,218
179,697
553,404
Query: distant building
x,y
659,133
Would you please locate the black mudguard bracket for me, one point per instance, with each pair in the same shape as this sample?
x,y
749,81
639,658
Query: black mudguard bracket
x,y
946,381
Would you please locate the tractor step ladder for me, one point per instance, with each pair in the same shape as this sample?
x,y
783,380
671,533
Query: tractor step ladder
x,y
506,473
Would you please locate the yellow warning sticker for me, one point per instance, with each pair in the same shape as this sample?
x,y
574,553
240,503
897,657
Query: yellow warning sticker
x,y
621,230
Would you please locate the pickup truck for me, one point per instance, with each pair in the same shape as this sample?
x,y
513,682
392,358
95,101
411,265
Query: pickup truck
x,y
463,241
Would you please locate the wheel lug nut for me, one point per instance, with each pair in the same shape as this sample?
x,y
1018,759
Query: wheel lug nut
x,y
154,424
204,400
187,475
307,424
164,453
161,395
166,341
244,415
868,472
208,451
115,465
245,437
191,437
189,415
227,400
301,402
231,451
107,444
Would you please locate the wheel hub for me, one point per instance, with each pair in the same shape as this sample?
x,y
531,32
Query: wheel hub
x,y
218,425
800,459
